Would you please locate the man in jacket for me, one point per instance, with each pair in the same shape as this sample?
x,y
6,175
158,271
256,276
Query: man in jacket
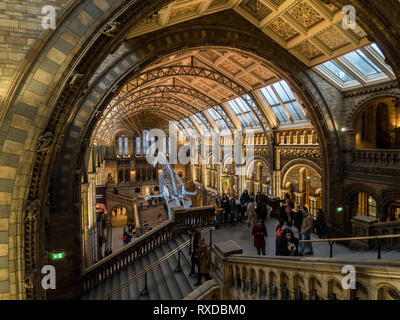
x,y
194,248
306,228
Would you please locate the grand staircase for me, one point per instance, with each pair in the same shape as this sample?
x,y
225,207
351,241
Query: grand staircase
x,y
146,269
162,281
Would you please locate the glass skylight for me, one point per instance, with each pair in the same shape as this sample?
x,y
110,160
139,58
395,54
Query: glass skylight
x,y
362,62
196,117
357,68
217,118
338,71
242,111
282,101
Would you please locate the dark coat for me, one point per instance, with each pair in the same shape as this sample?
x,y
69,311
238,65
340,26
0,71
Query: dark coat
x,y
261,210
298,219
283,246
259,234
197,236
244,198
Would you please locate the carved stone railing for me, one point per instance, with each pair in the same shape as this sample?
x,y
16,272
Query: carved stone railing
x,y
381,158
183,219
369,226
248,277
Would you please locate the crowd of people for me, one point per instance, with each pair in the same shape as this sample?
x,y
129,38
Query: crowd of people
x,y
256,209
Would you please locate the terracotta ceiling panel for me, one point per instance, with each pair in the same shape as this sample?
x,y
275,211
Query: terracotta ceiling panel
x,y
255,8
232,68
283,29
333,39
210,54
263,73
308,50
250,80
305,14
243,61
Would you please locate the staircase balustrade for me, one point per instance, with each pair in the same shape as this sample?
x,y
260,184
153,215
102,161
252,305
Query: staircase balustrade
x,y
183,219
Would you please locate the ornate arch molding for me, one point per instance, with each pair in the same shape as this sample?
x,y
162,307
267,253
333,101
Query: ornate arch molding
x,y
363,104
299,162
70,113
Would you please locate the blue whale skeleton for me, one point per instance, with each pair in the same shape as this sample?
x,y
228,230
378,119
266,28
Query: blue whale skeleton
x,y
171,187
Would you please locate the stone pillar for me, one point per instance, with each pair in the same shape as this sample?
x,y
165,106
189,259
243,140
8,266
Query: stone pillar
x,y
221,251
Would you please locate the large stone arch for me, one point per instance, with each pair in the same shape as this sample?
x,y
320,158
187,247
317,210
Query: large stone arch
x,y
26,107
360,107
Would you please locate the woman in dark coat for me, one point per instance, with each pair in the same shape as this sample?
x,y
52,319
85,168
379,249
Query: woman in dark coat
x,y
259,232
288,244
320,224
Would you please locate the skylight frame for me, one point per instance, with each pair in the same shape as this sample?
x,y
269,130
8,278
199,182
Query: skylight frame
x,y
361,79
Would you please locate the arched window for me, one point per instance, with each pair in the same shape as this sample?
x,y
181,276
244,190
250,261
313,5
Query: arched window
x,y
145,141
138,146
126,146
120,146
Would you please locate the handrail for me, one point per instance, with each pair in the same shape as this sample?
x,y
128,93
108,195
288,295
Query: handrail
x,y
333,240
153,265
126,248
388,236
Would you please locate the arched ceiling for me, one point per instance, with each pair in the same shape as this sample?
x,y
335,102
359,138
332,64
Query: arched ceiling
x,y
188,83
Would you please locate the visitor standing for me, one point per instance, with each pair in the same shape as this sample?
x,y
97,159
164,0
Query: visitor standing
x,y
204,261
261,209
298,219
259,232
244,199
279,228
306,228
225,204
320,224
251,213
193,249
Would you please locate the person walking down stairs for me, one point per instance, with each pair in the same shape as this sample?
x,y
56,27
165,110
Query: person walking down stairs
x,y
204,261
194,248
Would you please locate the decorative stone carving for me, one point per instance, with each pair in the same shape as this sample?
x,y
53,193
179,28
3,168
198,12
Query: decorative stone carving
x,y
30,279
44,142
111,28
32,211
74,78
300,152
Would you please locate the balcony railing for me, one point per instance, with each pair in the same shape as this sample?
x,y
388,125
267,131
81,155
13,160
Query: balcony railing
x,y
374,157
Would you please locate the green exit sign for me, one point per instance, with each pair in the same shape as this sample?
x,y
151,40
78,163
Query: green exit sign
x,y
339,209
57,255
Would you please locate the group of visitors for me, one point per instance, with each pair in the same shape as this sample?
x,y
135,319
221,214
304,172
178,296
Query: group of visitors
x,y
200,256
286,242
128,233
